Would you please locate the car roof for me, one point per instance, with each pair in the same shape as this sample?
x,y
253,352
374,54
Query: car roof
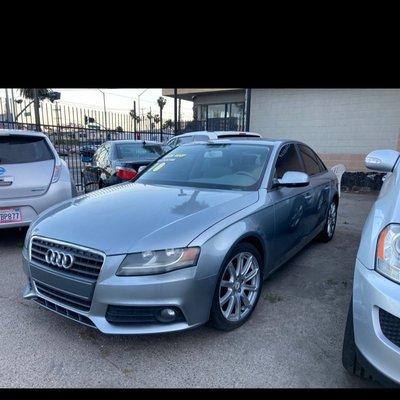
x,y
262,141
21,132
134,141
216,133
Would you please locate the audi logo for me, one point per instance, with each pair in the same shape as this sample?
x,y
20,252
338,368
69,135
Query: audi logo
x,y
59,259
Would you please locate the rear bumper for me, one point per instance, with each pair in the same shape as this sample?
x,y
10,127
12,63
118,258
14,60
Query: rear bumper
x,y
178,289
31,207
373,292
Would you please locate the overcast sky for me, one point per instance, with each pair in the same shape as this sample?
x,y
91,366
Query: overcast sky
x,y
117,100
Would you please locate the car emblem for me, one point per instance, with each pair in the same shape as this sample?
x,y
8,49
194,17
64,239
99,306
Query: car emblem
x,y
59,259
2,170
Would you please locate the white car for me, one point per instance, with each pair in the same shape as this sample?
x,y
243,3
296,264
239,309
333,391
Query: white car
x,y
201,136
32,177
371,346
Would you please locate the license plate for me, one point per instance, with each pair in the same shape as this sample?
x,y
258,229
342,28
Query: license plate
x,y
10,215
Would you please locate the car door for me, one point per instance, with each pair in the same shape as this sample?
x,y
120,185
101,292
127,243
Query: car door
x,y
320,183
292,213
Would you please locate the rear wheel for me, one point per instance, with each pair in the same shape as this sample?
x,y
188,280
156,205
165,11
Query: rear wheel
x,y
329,229
238,288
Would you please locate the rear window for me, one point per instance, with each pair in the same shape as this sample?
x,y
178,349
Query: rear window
x,y
23,149
138,151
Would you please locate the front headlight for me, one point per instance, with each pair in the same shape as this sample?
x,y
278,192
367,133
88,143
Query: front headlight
x,y
387,260
158,262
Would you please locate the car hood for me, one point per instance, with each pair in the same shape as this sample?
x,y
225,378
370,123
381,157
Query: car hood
x,y
136,217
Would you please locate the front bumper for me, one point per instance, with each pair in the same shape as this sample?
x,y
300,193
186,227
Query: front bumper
x,y
372,292
180,289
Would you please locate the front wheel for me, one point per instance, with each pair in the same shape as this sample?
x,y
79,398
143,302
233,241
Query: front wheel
x,y
238,288
329,229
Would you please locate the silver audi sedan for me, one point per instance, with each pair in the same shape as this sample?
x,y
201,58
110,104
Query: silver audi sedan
x,y
188,241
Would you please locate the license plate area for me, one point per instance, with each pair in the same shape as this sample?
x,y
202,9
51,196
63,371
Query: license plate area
x,y
8,215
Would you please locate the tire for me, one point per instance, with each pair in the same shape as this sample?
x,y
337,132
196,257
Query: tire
x,y
328,231
349,354
236,289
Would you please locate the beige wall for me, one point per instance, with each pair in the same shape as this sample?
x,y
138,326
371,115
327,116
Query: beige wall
x,y
342,125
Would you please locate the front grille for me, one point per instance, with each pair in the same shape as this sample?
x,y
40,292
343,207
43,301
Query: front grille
x,y
137,315
64,311
86,263
63,297
390,326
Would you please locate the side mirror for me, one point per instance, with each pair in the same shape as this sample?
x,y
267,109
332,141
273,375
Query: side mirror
x,y
294,179
142,168
382,160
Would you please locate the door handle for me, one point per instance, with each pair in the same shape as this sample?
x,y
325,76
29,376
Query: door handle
x,y
308,196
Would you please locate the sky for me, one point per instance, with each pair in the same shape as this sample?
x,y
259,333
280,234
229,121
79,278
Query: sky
x,y
117,100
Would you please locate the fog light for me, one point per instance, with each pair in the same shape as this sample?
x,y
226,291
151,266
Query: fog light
x,y
167,315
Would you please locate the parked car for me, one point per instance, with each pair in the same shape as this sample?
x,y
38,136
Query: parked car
x,y
371,346
118,161
208,135
190,240
32,177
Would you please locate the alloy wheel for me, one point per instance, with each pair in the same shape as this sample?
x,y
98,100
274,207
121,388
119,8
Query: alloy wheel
x,y
331,219
239,286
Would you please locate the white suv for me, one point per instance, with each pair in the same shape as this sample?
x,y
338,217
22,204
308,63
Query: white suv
x,y
32,177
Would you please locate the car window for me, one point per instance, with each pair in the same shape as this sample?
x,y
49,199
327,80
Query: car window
x,y
23,149
201,138
183,140
137,151
311,161
225,166
288,160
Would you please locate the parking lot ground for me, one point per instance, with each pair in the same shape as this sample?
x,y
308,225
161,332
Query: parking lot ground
x,y
294,338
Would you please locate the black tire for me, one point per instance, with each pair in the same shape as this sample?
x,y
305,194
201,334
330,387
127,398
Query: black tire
x,y
349,353
325,236
217,319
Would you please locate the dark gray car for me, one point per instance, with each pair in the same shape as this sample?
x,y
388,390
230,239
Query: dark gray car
x,y
190,240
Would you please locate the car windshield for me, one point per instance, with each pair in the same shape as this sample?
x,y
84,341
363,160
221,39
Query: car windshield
x,y
138,151
23,149
223,166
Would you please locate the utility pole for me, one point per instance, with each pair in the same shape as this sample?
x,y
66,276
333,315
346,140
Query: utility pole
x,y
8,114
134,118
247,109
105,110
36,106
175,111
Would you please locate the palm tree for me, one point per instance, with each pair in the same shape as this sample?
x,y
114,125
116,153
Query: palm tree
x,y
150,117
161,103
42,93
168,124
156,118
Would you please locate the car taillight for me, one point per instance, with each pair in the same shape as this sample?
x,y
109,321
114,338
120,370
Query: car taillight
x,y
125,173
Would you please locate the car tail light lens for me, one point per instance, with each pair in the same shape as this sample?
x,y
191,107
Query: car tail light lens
x,y
387,260
125,173
56,173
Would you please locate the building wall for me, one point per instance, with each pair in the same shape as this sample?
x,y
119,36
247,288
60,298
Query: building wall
x,y
223,97
342,125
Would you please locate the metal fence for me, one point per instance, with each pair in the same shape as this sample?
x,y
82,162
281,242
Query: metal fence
x,y
74,131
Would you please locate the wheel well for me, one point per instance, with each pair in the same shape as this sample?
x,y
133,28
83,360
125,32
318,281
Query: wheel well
x,y
256,242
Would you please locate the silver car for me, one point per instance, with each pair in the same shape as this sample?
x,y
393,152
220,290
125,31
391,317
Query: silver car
x,y
189,240
32,177
371,346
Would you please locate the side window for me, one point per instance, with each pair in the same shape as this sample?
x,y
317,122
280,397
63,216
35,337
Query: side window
x,y
288,160
311,161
